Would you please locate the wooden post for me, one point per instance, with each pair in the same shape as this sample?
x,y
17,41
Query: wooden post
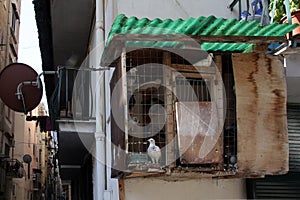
x,y
220,99
170,139
219,90
121,189
124,89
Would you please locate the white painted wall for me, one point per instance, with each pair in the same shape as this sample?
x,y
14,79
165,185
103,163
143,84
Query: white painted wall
x,y
175,8
293,67
150,188
293,77
172,9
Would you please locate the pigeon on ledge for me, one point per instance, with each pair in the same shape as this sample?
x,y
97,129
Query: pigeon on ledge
x,y
153,151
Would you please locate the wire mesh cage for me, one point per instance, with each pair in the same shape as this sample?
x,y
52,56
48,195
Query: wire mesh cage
x,y
153,97
146,101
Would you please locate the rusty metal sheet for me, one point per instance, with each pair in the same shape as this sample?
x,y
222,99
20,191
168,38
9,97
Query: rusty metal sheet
x,y
199,139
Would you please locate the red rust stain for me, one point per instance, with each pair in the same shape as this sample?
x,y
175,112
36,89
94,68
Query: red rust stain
x,y
252,79
269,65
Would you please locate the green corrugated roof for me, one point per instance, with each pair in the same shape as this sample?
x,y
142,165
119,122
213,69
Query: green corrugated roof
x,y
201,26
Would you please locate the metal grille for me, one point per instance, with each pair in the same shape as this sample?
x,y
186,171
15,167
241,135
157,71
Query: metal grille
x,y
146,113
293,117
275,187
188,89
74,96
230,126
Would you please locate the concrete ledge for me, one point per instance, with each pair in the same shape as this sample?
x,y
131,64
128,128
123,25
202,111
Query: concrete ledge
x,y
80,126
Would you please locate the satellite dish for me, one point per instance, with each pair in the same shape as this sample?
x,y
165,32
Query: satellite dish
x,y
27,158
18,87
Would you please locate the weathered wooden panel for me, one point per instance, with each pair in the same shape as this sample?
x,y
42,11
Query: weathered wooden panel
x,y
198,138
170,154
117,129
261,114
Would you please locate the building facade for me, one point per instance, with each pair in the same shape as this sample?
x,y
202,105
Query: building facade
x,y
40,179
9,37
99,159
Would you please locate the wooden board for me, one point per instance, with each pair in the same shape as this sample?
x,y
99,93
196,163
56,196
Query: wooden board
x,y
198,137
117,129
121,189
170,142
261,114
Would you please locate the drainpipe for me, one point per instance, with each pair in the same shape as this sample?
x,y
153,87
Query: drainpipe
x,y
99,182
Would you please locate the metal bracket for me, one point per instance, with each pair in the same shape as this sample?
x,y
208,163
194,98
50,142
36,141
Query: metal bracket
x,y
36,83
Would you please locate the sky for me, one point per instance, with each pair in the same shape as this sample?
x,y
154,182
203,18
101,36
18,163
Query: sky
x,y
29,52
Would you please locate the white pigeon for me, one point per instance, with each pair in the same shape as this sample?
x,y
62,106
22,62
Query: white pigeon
x,y
153,151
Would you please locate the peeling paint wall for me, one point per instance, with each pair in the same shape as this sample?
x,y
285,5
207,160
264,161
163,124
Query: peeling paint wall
x,y
149,189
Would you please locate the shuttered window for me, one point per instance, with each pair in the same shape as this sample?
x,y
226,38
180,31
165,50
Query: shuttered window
x,y
284,186
275,187
294,137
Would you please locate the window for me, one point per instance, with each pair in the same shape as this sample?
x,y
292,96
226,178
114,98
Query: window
x,y
33,149
14,17
29,137
40,158
8,114
13,190
6,150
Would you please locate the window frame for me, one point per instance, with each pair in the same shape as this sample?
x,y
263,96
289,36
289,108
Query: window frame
x,y
14,18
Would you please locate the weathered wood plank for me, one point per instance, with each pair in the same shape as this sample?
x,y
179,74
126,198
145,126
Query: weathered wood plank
x,y
117,42
118,146
219,99
261,114
195,69
198,133
199,38
121,189
170,154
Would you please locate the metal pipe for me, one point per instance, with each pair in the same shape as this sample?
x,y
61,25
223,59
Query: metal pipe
x,y
59,91
100,151
282,48
288,11
38,79
67,92
20,86
240,10
20,94
248,5
273,12
233,3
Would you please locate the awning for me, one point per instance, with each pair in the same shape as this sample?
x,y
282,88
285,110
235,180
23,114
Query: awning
x,y
211,33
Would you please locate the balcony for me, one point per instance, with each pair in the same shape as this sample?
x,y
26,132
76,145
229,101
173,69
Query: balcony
x,y
14,168
72,111
36,179
72,104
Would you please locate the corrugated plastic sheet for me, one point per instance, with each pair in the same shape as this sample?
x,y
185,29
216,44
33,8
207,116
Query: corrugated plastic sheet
x,y
196,26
